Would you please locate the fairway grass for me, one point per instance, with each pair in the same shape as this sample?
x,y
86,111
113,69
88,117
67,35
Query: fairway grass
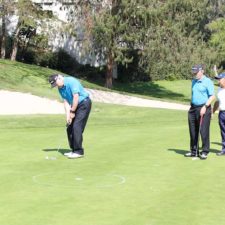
x,y
133,172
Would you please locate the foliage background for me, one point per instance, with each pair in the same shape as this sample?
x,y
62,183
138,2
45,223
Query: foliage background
x,y
148,40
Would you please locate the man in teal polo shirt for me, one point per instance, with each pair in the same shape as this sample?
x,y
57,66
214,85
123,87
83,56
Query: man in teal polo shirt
x,y
201,99
77,107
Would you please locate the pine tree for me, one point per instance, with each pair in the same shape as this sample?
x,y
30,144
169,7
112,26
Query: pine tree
x,y
120,29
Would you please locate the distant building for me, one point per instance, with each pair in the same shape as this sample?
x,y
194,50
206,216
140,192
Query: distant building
x,y
57,38
63,40
60,8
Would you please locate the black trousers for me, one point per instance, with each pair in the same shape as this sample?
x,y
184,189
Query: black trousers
x,y
222,128
76,128
194,122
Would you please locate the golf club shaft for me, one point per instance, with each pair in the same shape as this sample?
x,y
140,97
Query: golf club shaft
x,y
199,132
59,146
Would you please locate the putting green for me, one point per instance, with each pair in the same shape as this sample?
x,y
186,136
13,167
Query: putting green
x,y
134,171
78,180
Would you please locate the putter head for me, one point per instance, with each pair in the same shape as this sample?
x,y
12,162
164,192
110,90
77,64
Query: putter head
x,y
195,158
50,158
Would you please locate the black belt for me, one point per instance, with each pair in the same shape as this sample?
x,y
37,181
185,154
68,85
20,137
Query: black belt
x,y
84,100
196,106
199,106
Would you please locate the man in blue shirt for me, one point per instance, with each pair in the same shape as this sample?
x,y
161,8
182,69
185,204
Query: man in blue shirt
x,y
200,112
77,106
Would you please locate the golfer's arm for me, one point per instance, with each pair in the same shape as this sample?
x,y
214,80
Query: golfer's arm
x,y
67,108
210,100
215,106
75,102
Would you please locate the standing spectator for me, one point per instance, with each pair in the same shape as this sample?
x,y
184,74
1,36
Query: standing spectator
x,y
220,103
77,106
202,96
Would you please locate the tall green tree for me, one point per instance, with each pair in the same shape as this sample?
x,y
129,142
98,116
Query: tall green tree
x,y
177,38
109,29
30,16
169,35
118,29
217,39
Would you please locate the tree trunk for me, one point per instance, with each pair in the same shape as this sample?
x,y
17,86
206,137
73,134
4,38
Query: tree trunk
x,y
109,72
15,44
3,37
3,40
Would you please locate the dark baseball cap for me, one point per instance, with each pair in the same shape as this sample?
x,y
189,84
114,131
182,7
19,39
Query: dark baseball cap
x,y
220,76
52,79
197,68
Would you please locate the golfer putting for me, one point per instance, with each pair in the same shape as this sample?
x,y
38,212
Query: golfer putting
x,y
77,106
199,114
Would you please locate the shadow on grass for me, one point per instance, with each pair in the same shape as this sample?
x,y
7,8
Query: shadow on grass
x,y
182,152
61,151
214,151
178,151
149,89
217,143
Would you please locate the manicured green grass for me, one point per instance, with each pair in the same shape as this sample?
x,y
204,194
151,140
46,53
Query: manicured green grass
x,y
133,173
30,78
164,90
17,76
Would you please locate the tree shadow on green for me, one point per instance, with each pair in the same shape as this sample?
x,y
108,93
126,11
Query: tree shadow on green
x,y
150,89
147,89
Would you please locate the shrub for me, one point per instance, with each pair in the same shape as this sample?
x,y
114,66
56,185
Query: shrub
x,y
59,60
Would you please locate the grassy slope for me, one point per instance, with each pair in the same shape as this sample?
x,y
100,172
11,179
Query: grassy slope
x,y
144,146
30,78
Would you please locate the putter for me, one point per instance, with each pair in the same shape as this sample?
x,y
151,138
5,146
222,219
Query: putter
x,y
54,157
197,148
